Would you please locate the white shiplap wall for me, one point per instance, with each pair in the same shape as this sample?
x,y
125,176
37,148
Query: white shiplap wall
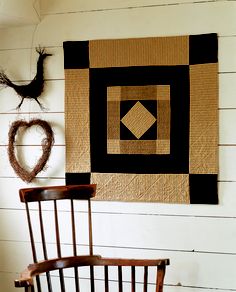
x,y
199,240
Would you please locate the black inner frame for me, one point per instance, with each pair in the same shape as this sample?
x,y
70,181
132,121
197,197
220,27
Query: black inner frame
x,y
178,159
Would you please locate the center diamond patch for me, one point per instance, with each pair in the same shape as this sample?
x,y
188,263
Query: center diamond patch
x,y
138,120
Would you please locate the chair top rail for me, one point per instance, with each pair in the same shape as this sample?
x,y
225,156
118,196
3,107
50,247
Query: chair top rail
x,y
78,261
76,192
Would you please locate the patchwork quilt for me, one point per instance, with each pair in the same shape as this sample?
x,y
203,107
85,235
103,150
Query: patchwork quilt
x,y
141,118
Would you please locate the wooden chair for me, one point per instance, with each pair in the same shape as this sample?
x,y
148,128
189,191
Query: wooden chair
x,y
42,201
78,267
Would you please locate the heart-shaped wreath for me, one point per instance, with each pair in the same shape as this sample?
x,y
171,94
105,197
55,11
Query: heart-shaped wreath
x,y
46,144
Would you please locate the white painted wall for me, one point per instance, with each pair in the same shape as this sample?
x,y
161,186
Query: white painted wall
x,y
199,240
15,12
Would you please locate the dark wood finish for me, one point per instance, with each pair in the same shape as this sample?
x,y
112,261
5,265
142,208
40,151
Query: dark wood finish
x,y
133,277
145,279
95,260
106,279
160,278
76,272
90,228
31,233
35,269
73,227
75,192
120,281
55,193
32,245
47,265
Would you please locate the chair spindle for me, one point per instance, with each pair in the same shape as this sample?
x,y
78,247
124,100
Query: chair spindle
x,y
91,245
120,280
145,280
31,233
61,275
106,278
42,232
90,228
76,272
32,244
57,230
133,278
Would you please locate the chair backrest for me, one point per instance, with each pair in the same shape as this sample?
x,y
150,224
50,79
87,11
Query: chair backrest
x,y
112,274
71,268
56,227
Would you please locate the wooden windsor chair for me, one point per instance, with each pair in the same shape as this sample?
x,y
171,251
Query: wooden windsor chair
x,y
88,272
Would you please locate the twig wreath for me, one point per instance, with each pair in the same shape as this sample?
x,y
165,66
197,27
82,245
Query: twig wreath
x,y
46,144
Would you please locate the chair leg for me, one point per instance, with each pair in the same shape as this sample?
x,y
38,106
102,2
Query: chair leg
x,y
29,289
160,278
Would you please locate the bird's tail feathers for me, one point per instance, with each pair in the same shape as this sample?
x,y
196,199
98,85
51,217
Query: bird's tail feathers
x,y
4,80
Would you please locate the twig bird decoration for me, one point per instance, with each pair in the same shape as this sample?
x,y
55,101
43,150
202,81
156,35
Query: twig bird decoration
x,y
35,88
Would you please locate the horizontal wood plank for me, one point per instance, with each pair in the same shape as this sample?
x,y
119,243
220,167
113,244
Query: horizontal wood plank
x,y
227,197
20,65
55,165
55,6
34,135
227,156
18,37
199,18
52,99
158,231
227,135
227,87
205,270
7,284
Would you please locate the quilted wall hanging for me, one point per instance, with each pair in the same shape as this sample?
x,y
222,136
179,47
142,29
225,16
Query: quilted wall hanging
x,y
142,118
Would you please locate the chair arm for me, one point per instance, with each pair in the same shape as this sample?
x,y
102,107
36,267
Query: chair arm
x,y
132,262
25,279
